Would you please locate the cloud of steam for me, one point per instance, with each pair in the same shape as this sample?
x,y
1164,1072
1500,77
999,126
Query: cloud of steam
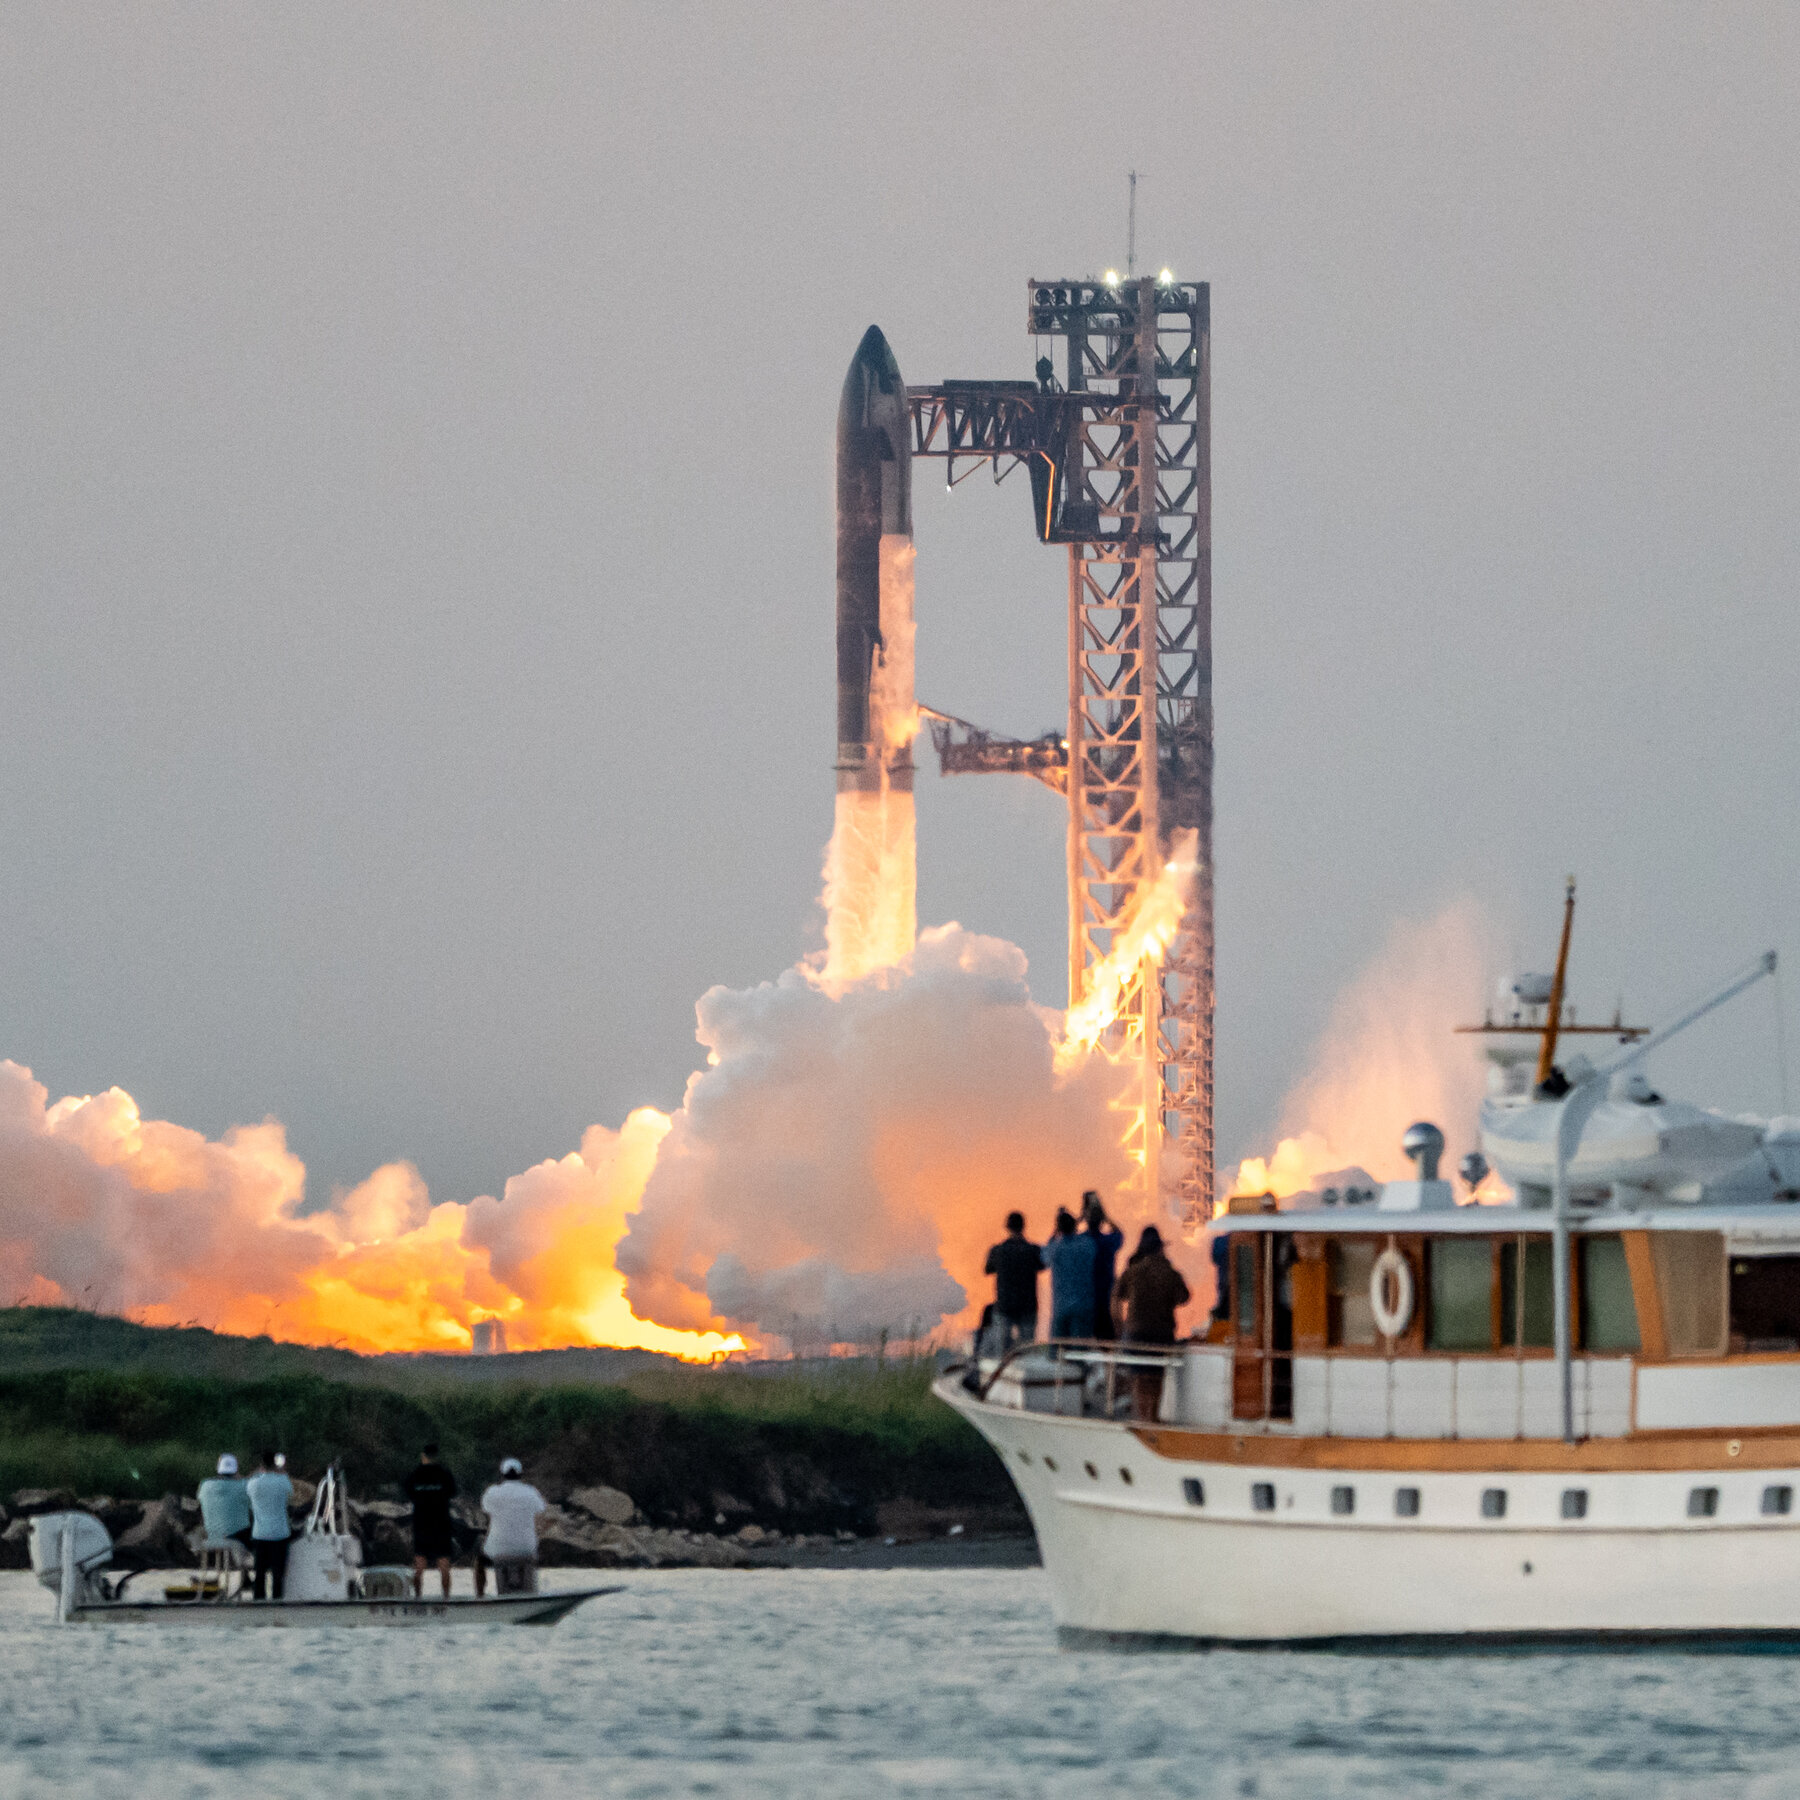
x,y
844,1161
103,1208
1389,1055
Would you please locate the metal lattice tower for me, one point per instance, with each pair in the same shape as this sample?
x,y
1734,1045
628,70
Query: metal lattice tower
x,y
1120,461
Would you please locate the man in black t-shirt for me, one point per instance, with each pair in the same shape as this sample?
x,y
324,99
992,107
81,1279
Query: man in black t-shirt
x,y
1014,1263
431,1487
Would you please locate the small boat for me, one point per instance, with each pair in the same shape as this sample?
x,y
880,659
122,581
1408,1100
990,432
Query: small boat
x,y
1572,1418
72,1555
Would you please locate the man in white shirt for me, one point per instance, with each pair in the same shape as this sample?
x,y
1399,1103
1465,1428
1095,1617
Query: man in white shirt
x,y
512,1506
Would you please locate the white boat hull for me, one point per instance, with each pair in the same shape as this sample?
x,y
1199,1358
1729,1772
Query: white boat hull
x,y
461,1609
1139,1558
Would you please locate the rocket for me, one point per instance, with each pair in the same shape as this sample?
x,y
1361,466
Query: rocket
x,y
870,882
874,552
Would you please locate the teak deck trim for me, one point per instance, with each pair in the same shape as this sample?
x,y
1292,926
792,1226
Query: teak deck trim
x,y
1645,1453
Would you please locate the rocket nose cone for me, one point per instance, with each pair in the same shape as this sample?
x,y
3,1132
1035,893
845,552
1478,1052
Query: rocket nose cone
x,y
874,358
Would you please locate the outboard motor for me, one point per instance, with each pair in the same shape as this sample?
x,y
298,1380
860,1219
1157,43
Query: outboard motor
x,y
68,1551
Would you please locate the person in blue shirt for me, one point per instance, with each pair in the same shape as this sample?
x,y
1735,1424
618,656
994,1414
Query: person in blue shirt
x,y
224,1506
1069,1257
1108,1240
269,1492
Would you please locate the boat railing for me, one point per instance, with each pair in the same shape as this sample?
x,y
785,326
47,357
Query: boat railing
x,y
1088,1378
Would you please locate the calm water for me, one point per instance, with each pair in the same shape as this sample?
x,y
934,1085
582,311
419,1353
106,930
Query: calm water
x,y
859,1684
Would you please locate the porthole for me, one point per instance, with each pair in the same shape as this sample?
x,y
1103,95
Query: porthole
x,y
1343,1501
1194,1492
1262,1495
1703,1503
1574,1503
1125,1476
1493,1503
1050,1464
1777,1500
1093,1474
1406,1503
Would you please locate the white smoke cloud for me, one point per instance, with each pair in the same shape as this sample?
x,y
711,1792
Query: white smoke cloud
x,y
845,1160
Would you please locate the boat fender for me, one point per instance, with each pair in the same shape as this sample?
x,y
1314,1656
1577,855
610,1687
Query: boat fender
x,y
1391,1293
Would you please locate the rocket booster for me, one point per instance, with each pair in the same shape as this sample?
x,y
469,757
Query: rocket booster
x,y
876,714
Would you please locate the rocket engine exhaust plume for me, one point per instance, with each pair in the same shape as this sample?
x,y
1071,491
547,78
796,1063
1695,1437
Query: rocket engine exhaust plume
x,y
870,869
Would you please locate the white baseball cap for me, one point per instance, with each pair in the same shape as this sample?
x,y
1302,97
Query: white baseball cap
x,y
512,1466
227,1464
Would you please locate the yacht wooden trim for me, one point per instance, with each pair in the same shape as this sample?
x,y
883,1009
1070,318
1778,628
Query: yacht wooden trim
x,y
1642,1453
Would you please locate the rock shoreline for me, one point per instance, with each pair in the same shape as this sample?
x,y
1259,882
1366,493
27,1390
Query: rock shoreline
x,y
592,1528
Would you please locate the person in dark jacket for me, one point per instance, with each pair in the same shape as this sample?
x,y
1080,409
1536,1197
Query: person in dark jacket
x,y
1108,1241
1149,1293
1014,1263
1070,1259
431,1487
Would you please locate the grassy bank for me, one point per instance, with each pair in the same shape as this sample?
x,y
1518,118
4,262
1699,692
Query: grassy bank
x,y
819,1449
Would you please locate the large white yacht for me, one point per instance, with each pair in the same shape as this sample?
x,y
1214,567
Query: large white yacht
x,y
1573,1415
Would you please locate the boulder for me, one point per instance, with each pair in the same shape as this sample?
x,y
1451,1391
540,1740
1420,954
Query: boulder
x,y
566,1540
28,1502
385,1527
610,1505
118,1516
160,1537
15,1545
752,1534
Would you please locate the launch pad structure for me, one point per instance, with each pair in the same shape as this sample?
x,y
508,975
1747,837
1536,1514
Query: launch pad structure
x,y
1118,451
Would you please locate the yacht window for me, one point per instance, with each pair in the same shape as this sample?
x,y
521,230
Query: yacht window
x,y
1493,1503
1574,1503
1690,1284
1194,1492
1528,1307
1351,1262
1461,1313
1343,1501
1765,1303
1608,1316
1125,1476
1778,1500
1024,1456
1406,1503
1050,1464
1243,1285
1702,1502
1093,1474
1262,1496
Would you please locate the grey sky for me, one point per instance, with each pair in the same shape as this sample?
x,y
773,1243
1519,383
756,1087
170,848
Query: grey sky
x,y
415,557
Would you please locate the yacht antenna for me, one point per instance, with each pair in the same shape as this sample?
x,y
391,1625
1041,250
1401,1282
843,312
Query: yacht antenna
x,y
1131,228
1547,1054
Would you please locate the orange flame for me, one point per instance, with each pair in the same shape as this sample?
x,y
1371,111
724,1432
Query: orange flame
x,y
1139,947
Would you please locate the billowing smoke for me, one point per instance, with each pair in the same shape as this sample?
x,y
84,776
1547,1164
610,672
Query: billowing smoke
x,y
1389,1055
843,1162
102,1208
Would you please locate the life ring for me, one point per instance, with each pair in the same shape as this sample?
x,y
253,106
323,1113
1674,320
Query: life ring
x,y
1391,1293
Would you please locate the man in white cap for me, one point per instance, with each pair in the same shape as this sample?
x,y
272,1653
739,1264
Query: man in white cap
x,y
512,1506
224,1505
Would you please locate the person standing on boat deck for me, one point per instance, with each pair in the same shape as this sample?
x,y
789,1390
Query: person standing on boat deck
x,y
1014,1263
1070,1260
224,1506
269,1492
1150,1292
431,1487
1108,1241
512,1505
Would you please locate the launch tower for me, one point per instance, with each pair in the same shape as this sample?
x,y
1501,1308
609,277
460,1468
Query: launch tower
x,y
1118,448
